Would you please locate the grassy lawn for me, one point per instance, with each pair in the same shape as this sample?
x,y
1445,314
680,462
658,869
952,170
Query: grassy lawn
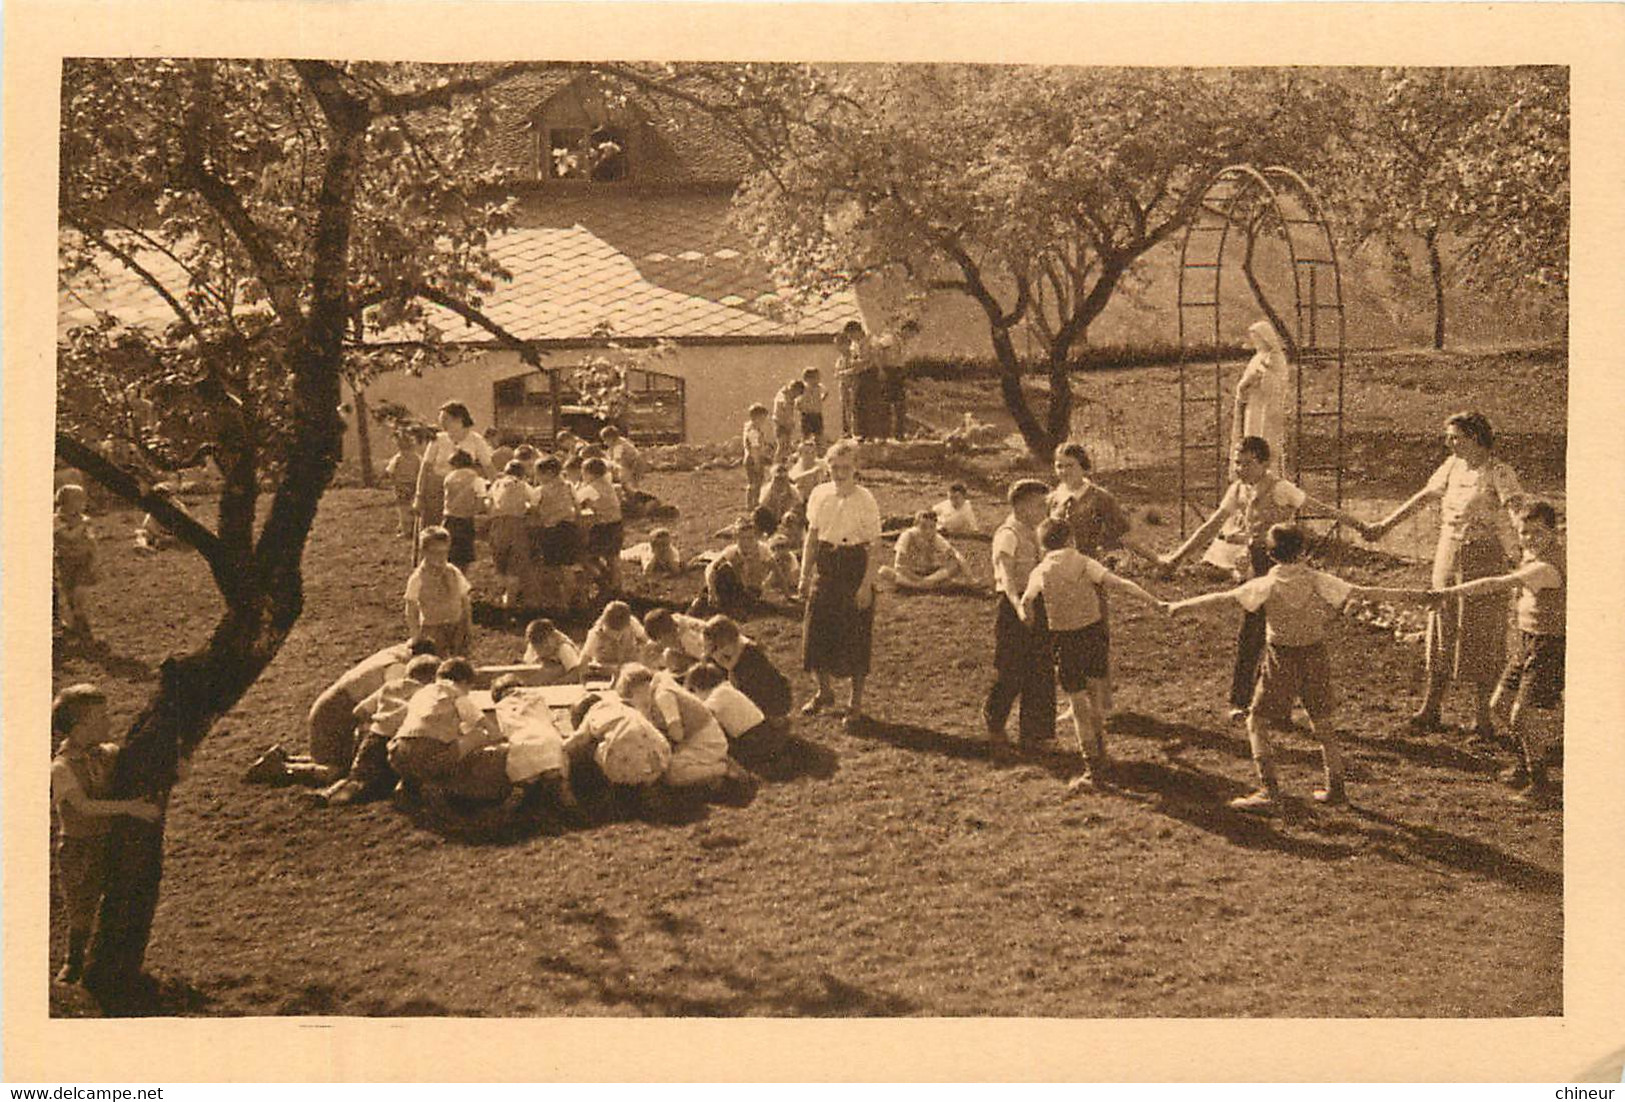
x,y
896,872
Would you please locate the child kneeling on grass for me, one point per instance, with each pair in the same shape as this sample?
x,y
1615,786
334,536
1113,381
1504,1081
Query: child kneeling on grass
x,y
676,640
381,715
1531,688
548,647
699,748
1300,604
622,745
81,773
1065,580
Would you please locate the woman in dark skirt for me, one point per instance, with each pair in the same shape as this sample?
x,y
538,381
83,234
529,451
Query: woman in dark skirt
x,y
838,566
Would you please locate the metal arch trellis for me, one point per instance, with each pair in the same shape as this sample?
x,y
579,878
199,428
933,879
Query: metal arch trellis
x,y
1317,286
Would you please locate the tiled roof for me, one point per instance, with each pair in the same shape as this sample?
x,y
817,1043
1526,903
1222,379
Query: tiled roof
x,y
643,267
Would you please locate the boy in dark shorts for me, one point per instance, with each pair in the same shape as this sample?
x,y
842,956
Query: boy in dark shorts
x,y
1531,688
1300,604
1065,578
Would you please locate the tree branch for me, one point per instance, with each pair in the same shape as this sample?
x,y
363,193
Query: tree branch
x,y
129,261
442,95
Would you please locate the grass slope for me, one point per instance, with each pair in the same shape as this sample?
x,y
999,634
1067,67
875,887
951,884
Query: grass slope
x,y
896,873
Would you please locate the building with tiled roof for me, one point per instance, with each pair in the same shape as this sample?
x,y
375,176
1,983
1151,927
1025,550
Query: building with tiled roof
x,y
640,251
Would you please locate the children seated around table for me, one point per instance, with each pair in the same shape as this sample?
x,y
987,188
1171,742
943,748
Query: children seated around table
x,y
464,500
555,536
658,555
1299,605
955,516
402,473
614,739
437,596
924,560
535,746
73,559
509,501
81,777
548,647
600,503
1530,693
736,713
699,748
677,641
614,640
1065,580
379,717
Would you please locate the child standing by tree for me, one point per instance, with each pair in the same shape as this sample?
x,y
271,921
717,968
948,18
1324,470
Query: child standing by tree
x,y
1299,604
402,472
509,499
437,601
757,442
73,557
1530,693
1066,579
464,500
80,775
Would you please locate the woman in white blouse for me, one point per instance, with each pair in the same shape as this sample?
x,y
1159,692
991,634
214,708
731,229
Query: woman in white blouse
x,y
1466,638
456,434
839,562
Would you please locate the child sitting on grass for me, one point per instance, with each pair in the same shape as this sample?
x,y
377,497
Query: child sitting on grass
x,y
736,713
380,716
1300,604
152,536
548,647
615,639
733,580
677,641
437,597
779,495
750,671
955,516
81,774
1065,580
73,558
924,560
1530,693
699,748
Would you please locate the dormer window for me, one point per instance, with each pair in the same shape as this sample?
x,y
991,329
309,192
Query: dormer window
x,y
597,155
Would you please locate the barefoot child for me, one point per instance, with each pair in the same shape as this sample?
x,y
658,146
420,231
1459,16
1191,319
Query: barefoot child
x,y
437,601
1065,579
81,773
1530,693
1300,604
73,556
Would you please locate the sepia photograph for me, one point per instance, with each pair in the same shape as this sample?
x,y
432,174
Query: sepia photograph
x,y
796,539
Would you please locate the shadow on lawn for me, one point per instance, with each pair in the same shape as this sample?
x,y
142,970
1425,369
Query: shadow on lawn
x,y
99,654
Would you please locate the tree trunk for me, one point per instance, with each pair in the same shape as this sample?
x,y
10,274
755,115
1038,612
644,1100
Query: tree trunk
x,y
1060,398
363,437
1436,271
1039,442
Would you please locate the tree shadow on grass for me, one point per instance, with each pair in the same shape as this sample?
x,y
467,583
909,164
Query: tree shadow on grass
x,y
1463,854
149,996
99,654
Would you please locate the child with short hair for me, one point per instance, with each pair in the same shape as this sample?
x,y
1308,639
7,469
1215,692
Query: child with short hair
x,y
1066,579
810,407
527,455
548,647
73,558
150,535
955,516
699,748
81,774
809,469
757,442
533,755
734,579
659,555
464,500
677,640
749,668
624,458
434,749
615,639
601,504
380,716
555,534
622,743
438,607
1300,604
736,713
778,496
509,501
402,472
785,415
1021,663
1530,693
924,560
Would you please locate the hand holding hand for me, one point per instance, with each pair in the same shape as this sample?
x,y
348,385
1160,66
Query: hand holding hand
x,y
865,596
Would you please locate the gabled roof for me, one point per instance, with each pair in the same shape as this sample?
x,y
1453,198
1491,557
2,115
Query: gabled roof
x,y
640,267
